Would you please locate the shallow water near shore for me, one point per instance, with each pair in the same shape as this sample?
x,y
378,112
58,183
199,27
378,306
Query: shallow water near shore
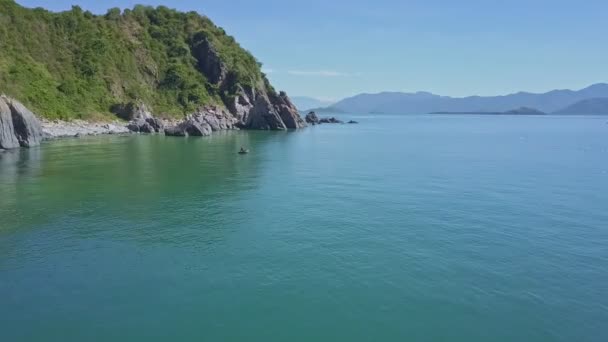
x,y
459,228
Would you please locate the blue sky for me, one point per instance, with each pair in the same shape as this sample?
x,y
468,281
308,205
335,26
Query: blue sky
x,y
331,49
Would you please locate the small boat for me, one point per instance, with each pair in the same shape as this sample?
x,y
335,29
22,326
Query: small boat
x,y
243,151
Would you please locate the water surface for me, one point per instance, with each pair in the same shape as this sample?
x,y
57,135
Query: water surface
x,y
459,228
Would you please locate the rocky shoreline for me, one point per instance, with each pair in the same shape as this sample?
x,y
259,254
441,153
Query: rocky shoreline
x,y
19,127
77,128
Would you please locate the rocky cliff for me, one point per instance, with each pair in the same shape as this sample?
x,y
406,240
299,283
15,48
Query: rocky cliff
x,y
77,65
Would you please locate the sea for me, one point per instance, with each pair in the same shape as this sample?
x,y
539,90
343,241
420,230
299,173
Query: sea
x,y
398,228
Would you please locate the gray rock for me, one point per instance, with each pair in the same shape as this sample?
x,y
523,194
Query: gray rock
x,y
209,61
142,120
156,124
8,139
176,131
26,127
263,116
288,112
196,129
131,111
212,121
250,107
312,118
193,125
140,126
331,120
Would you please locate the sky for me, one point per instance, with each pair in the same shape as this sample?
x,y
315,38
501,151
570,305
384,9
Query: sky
x,y
331,49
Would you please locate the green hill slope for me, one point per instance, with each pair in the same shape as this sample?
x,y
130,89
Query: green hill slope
x,y
75,64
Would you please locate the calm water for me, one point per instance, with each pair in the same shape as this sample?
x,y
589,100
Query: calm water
x,y
438,228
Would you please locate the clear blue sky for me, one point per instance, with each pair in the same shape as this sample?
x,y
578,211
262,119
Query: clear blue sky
x,y
336,48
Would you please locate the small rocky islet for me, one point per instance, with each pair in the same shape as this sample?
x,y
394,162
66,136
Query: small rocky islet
x,y
312,119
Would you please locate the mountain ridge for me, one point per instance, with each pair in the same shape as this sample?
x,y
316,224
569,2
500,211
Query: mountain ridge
x,y
592,106
425,102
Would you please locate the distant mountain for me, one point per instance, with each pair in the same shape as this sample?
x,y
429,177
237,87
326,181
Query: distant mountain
x,y
424,102
594,106
518,111
304,103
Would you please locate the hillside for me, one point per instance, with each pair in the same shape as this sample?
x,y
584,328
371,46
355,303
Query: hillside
x,y
595,106
75,64
424,102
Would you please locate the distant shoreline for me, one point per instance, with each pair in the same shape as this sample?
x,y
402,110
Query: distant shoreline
x,y
486,113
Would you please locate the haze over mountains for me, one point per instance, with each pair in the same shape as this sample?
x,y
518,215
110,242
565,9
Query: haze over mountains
x,y
555,101
305,102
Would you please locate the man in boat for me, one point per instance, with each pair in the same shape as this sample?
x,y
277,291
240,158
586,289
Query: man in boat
x,y
243,150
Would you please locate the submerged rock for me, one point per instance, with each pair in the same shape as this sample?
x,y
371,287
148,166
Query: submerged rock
x,y
18,125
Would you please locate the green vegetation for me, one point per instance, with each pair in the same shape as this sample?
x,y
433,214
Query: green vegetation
x,y
75,64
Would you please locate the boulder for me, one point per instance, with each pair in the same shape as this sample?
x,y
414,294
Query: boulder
x,y
19,124
8,139
156,124
194,125
176,131
312,118
140,126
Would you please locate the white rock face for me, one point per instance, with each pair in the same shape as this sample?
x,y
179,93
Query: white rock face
x,y
61,129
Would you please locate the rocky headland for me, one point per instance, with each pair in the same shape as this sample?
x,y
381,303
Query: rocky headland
x,y
19,127
150,70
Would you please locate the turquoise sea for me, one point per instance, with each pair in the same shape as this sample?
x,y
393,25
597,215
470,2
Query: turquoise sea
x,y
401,228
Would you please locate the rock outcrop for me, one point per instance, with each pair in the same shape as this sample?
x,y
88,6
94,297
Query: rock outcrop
x,y
312,118
18,125
255,106
331,120
8,139
140,118
202,123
